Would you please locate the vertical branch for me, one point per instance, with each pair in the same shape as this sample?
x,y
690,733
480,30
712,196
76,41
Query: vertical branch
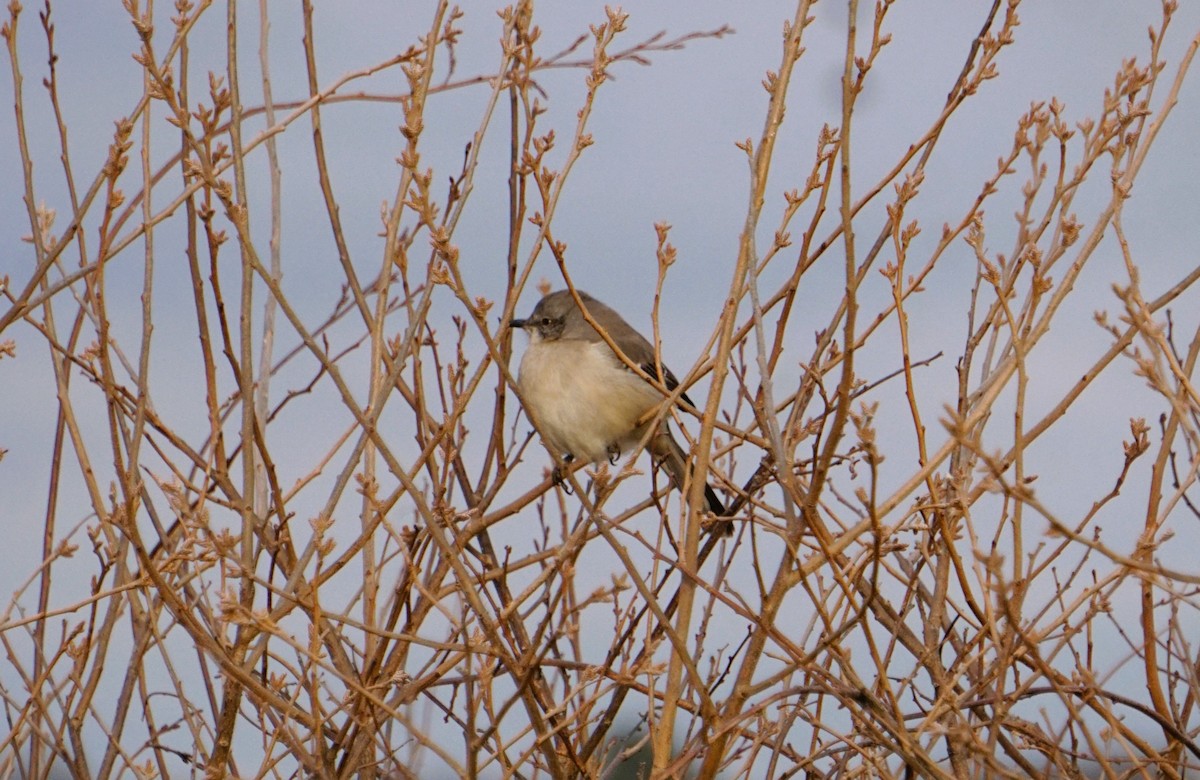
x,y
266,358
231,697
760,159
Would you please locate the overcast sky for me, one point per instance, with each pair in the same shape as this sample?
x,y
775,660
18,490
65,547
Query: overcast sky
x,y
664,152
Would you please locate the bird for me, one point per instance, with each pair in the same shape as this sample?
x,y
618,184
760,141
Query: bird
x,y
585,401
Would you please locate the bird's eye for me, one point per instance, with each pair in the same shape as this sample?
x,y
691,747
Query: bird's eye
x,y
546,320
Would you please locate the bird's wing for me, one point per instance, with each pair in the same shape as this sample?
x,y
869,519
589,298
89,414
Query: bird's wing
x,y
666,377
633,344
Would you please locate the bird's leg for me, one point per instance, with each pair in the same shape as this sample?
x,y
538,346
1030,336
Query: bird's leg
x,y
559,477
614,452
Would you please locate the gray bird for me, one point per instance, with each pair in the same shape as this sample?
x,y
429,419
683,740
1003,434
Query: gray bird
x,y
585,401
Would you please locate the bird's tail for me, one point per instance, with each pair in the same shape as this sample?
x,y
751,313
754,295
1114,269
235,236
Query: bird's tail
x,y
671,457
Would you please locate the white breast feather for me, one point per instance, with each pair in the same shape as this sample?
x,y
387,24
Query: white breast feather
x,y
583,398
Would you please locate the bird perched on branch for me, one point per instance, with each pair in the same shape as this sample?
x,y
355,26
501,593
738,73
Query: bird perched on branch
x,y
585,401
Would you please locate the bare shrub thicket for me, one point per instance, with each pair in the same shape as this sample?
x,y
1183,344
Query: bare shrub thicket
x,y
322,543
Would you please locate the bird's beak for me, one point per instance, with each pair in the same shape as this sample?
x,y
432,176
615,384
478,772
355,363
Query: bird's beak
x,y
517,323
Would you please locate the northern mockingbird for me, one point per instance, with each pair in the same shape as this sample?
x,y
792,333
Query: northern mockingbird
x,y
585,400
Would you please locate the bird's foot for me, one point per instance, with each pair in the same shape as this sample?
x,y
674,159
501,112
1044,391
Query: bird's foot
x,y
559,475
